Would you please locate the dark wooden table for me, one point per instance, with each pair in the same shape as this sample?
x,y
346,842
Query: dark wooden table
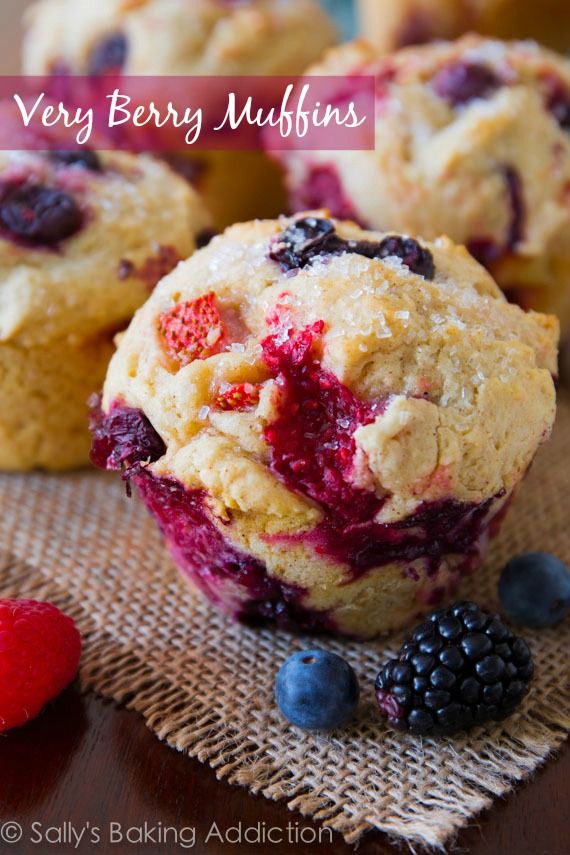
x,y
86,761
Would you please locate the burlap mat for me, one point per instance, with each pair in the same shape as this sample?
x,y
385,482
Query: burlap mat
x,y
205,685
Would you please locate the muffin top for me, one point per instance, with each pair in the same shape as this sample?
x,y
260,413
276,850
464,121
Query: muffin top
x,y
175,36
472,140
84,237
292,365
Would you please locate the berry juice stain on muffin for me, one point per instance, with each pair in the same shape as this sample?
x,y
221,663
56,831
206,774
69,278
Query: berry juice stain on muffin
x,y
313,450
84,159
232,579
124,440
515,234
462,82
108,55
558,101
312,440
333,433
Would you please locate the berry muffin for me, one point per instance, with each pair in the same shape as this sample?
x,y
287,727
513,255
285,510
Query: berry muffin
x,y
84,237
178,37
392,24
327,423
472,141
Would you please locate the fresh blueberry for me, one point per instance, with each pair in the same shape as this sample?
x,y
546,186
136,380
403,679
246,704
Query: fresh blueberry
x,y
534,589
316,690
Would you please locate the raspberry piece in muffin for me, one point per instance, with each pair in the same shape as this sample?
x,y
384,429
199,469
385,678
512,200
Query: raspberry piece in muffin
x,y
69,223
342,460
455,156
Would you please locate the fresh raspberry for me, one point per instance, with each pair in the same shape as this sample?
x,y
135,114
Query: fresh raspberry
x,y
240,396
39,656
193,330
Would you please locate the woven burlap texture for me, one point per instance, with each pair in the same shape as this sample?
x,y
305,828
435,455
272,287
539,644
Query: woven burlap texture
x,y
205,685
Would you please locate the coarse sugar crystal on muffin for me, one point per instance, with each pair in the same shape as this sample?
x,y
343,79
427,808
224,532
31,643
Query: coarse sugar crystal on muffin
x,y
397,23
188,37
472,141
327,422
84,237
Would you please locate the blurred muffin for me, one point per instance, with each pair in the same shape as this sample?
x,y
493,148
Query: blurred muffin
x,y
327,423
392,24
84,237
473,141
177,37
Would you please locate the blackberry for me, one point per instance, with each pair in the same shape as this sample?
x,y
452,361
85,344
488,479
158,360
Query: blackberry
x,y
463,666
309,238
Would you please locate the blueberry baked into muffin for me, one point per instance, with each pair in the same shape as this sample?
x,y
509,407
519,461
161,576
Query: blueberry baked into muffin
x,y
188,37
392,24
84,237
472,141
327,423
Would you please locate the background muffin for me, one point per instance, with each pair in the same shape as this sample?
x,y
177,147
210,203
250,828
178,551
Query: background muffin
x,y
473,141
334,419
392,24
83,240
177,37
